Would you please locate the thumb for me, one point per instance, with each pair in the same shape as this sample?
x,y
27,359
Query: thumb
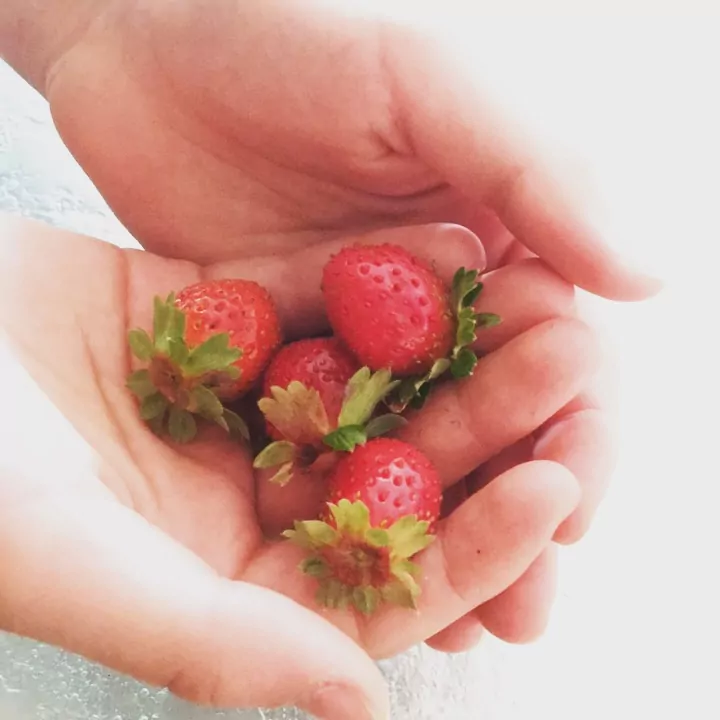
x,y
89,575
452,125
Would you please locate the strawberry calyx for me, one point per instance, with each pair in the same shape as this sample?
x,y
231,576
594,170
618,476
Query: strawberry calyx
x,y
299,415
359,565
181,381
462,360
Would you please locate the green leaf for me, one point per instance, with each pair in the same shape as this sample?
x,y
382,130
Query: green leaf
x,y
384,424
175,324
157,424
181,425
364,392
346,439
206,403
439,368
377,537
161,319
277,453
466,328
402,593
312,534
463,283
366,599
236,426
178,351
140,384
284,475
141,344
409,536
486,320
472,295
351,517
152,406
414,391
214,355
315,567
421,396
335,596
464,364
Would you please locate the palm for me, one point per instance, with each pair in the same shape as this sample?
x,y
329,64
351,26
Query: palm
x,y
205,496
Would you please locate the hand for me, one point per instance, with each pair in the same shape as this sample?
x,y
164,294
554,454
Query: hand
x,y
220,129
159,568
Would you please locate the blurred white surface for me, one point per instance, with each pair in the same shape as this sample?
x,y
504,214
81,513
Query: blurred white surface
x,y
635,631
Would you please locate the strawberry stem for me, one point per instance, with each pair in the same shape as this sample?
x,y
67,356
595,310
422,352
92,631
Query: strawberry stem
x,y
359,565
182,381
298,413
413,392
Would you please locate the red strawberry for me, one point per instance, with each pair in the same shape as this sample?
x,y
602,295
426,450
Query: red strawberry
x,y
389,308
322,364
242,309
394,312
209,344
383,505
317,400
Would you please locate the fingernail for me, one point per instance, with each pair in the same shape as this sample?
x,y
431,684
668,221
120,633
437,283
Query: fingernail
x,y
343,702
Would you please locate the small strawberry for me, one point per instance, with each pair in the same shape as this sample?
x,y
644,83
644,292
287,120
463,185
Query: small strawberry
x,y
394,312
389,308
322,364
384,502
210,343
317,401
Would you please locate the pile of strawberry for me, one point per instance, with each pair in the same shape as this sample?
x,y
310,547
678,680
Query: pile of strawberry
x,y
327,402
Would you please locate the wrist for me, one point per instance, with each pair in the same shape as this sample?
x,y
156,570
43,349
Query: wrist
x,y
35,34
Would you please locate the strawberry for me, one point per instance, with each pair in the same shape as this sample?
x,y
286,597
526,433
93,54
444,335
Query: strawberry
x,y
322,364
210,343
384,502
389,308
394,312
317,401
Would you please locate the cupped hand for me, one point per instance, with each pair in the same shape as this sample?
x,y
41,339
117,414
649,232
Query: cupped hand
x,y
160,567
224,129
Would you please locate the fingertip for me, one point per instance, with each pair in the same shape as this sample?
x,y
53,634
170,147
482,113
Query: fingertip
x,y
520,614
463,635
338,701
545,488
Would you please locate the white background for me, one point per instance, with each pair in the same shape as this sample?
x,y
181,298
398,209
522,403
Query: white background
x,y
635,633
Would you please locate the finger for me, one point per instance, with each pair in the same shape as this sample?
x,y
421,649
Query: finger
x,y
463,635
578,436
89,575
524,294
453,497
450,123
513,391
482,548
507,458
303,498
520,613
294,280
583,443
